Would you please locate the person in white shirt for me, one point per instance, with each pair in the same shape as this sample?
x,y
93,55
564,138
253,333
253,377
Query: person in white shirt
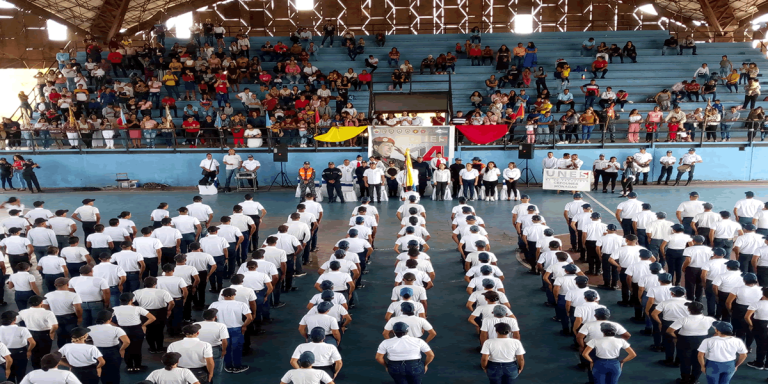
x,y
85,361
233,163
88,215
305,373
502,357
696,257
703,223
511,174
373,179
210,167
746,209
643,160
24,285
159,214
48,372
626,210
202,212
171,373
746,245
52,267
724,232
690,331
605,246
42,324
725,284
401,355
672,250
469,181
688,161
667,164
179,290
196,355
17,248
63,227
417,325
327,357
490,180
231,314
605,364
721,354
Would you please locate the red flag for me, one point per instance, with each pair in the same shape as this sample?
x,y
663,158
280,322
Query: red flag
x,y
520,114
317,116
483,134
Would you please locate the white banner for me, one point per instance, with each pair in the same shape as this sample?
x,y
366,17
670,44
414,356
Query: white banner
x,y
567,180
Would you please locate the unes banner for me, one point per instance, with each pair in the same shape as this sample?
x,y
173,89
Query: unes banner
x,y
391,142
567,180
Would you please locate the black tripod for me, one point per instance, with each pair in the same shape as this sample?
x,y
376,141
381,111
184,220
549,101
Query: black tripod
x,y
284,181
528,174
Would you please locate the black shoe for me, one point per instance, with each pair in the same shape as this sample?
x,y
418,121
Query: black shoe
x,y
676,183
294,289
622,303
687,182
646,332
548,304
756,365
667,363
279,305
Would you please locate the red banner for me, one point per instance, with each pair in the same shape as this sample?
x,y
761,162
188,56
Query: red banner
x,y
483,134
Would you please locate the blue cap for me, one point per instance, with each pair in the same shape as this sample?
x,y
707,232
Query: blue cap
x,y
655,267
645,254
590,295
646,206
343,244
708,206
474,228
732,264
307,358
335,265
340,253
586,206
480,243
749,194
612,227
483,256
750,227
486,269
571,268
412,198
406,292
531,207
723,327
694,193
353,232
524,197
677,227
499,311
406,307
326,284
488,283
725,214
400,327
470,218
317,335
661,215
632,194
596,215
324,307
327,295
536,218
677,291
413,243
582,279
603,312
365,199
749,278
577,195
718,251
466,209
549,232
410,229
359,220
607,328
665,277
698,239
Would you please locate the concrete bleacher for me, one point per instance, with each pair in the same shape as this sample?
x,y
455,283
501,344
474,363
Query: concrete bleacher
x,y
641,80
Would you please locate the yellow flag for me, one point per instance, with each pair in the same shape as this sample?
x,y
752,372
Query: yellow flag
x,y
408,169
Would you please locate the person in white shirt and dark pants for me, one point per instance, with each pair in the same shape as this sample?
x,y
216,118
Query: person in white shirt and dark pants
x,y
605,364
403,355
231,313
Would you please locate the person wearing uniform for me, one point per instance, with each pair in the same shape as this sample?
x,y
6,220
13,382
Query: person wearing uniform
x,y
132,263
738,303
622,259
605,246
703,223
93,291
577,224
67,308
218,247
88,215
672,251
63,227
234,238
687,210
598,167
658,231
724,232
24,284
724,284
256,212
605,364
761,220
721,355
17,248
531,234
332,177
171,373
760,263
696,256
401,355
640,224
572,209
113,275
322,319
231,313
757,320
687,164
160,304
150,250
667,163
188,226
42,324
373,179
690,331
129,318
20,343
643,160
626,210
99,242
305,373
112,342
205,265
502,357
560,288
41,237
48,372
745,209
202,212
196,355
746,245
671,310
327,355
247,227
214,333
417,325
178,288
591,233
85,361
500,316
709,272
292,247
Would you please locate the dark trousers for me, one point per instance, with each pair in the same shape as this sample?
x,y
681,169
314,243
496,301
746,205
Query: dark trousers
x,y
231,264
22,297
598,173
255,235
688,354
112,362
610,272
42,348
168,253
694,287
87,374
762,275
625,288
289,270
32,179
712,302
642,237
155,330
572,233
198,298
725,314
132,282
530,255
217,279
177,316
669,341
726,244
593,259
406,372
626,226
133,352
760,330
334,190
440,190
64,333
675,260
19,366
88,228
666,173
745,263
422,186
186,240
740,327
15,260
49,280
455,187
151,267
374,188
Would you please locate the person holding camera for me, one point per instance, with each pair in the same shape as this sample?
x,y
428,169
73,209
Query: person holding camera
x,y
28,173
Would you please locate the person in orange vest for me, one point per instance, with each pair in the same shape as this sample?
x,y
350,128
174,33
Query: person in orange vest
x,y
307,176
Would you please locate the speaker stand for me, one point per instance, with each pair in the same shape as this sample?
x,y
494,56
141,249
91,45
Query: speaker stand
x,y
283,181
528,174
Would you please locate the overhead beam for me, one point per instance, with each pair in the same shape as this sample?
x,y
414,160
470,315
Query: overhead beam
x,y
709,14
663,12
109,18
719,14
171,11
35,10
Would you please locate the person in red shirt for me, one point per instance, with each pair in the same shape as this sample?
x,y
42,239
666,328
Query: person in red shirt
x,y
475,54
599,65
281,49
301,102
171,103
364,78
116,58
222,92
54,96
265,78
269,103
189,85
191,129
438,119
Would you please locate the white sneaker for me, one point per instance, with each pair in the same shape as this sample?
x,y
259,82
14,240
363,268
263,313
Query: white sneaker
x,y
622,109
631,102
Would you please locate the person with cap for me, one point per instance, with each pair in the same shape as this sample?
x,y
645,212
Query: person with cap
x,y
522,221
738,303
202,212
622,259
48,372
544,244
459,209
113,274
605,364
653,295
179,290
361,249
246,226
475,284
477,298
760,263
672,250
724,284
85,361
160,304
724,233
338,297
369,209
643,160
337,311
401,355
745,209
171,373
667,163
112,342
575,296
419,230
640,224
304,371
18,249
687,164
66,306
196,355
593,330
415,293
703,223
417,325
474,272
671,310
696,256
316,209
591,232
585,312
327,355
689,332
719,356
262,287
364,232
746,245
760,219
570,211
234,237
129,318
757,321
231,313
560,288
93,291
88,215
709,272
502,357
188,226
626,210
472,238
132,263
322,319
531,235
256,212
577,224
605,246
411,202
41,237
500,316
150,250
657,232
42,324
687,210
635,273
63,227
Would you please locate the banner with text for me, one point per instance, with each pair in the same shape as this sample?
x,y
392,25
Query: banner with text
x,y
391,142
567,180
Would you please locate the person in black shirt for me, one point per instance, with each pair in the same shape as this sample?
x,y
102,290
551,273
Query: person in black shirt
x,y
614,51
425,173
6,173
209,131
329,31
332,177
359,173
208,32
669,43
510,78
455,168
28,173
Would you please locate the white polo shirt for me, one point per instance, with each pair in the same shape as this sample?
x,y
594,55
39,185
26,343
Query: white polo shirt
x,y
200,211
586,311
109,272
489,323
691,208
193,352
80,355
87,212
325,354
286,242
175,375
243,294
749,242
610,243
339,279
42,237
129,315
659,229
419,293
212,332
74,254
184,223
116,233
21,281
100,240
251,207
306,376
105,336
627,255
241,221
693,325
728,281
147,246
37,319
715,268
201,261
403,348
62,226
152,298
416,325
327,322
644,218
15,245
591,330
214,245
678,241
699,255
722,349
313,207
727,229
748,207
608,347
167,236
231,312
52,265
706,219
38,213
275,256
630,208
128,260
62,302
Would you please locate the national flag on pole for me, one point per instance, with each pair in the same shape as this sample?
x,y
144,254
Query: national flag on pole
x,y
266,115
218,121
520,114
408,169
317,116
168,116
122,117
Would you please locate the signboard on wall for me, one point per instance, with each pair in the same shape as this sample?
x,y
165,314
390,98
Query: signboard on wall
x,y
567,180
391,142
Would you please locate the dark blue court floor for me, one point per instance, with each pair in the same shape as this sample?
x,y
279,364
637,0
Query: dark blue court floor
x,y
549,358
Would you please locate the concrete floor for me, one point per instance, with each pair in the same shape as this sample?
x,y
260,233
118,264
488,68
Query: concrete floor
x,y
549,358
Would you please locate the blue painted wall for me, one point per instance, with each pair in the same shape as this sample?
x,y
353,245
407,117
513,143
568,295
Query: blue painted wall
x,y
182,169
